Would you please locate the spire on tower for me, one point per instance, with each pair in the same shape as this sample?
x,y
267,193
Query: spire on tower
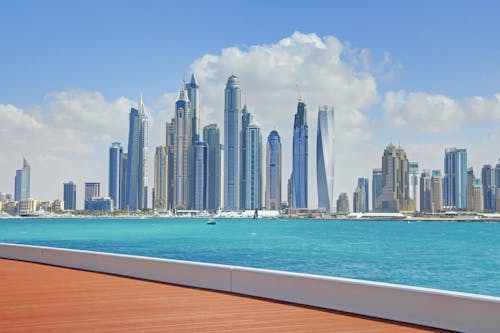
x,y
141,103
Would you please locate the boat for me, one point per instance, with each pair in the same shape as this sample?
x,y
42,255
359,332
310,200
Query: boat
x,y
210,221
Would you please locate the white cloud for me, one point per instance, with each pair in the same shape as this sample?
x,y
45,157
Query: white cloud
x,y
482,109
273,77
425,112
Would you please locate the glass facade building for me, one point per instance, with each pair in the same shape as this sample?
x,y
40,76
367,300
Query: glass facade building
x,y
325,158
115,167
232,127
273,171
300,158
455,178
211,136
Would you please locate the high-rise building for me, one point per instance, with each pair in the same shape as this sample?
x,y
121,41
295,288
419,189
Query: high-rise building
x,y
477,187
211,136
193,92
273,171
123,181
161,187
437,191
414,187
69,196
325,158
359,199
455,178
200,193
137,160
343,204
254,169
170,144
300,157
395,190
289,192
497,186
488,183
426,191
232,126
246,119
363,182
92,190
182,159
470,189
376,186
115,166
22,182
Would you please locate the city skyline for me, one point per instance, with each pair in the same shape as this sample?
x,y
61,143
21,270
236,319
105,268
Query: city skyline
x,y
379,92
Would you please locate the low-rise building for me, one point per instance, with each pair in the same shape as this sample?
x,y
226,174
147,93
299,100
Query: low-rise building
x,y
99,204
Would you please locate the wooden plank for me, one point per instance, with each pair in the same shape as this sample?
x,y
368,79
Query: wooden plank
x,y
41,298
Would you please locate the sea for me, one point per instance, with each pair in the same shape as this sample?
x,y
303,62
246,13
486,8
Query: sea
x,y
456,256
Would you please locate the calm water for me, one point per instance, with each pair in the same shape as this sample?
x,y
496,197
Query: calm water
x,y
452,256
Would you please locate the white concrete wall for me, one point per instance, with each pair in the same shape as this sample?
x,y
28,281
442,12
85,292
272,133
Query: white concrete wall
x,y
436,308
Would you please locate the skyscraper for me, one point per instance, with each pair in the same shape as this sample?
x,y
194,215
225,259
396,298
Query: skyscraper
x,y
470,189
414,187
22,182
254,169
115,167
273,171
363,182
193,92
455,178
69,196
182,151
123,181
325,158
497,186
426,191
161,187
300,154
246,119
376,186
437,191
477,187
395,196
343,203
488,183
211,136
170,144
92,190
137,158
200,176
359,199
232,126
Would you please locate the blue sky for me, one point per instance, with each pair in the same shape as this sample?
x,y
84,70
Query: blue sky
x,y
408,62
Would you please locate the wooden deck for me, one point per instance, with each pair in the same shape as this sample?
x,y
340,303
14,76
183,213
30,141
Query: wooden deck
x,y
41,298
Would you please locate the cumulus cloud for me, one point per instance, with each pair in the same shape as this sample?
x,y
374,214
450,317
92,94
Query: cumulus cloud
x,y
273,77
425,112
482,109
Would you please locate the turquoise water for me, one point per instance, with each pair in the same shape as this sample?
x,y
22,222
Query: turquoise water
x,y
458,256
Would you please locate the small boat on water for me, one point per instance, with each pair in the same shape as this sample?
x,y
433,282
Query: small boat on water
x,y
210,221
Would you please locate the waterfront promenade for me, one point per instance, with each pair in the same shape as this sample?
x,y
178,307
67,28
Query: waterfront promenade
x,y
42,298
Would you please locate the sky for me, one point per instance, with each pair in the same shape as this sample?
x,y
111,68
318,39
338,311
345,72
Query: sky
x,y
424,75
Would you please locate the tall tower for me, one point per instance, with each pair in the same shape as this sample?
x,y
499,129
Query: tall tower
x,y
300,157
325,158
115,167
437,191
69,196
200,193
137,157
193,92
170,144
232,126
455,178
182,151
273,171
161,178
376,186
22,182
254,169
123,181
211,136
395,190
364,183
246,119
414,186
426,191
488,183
